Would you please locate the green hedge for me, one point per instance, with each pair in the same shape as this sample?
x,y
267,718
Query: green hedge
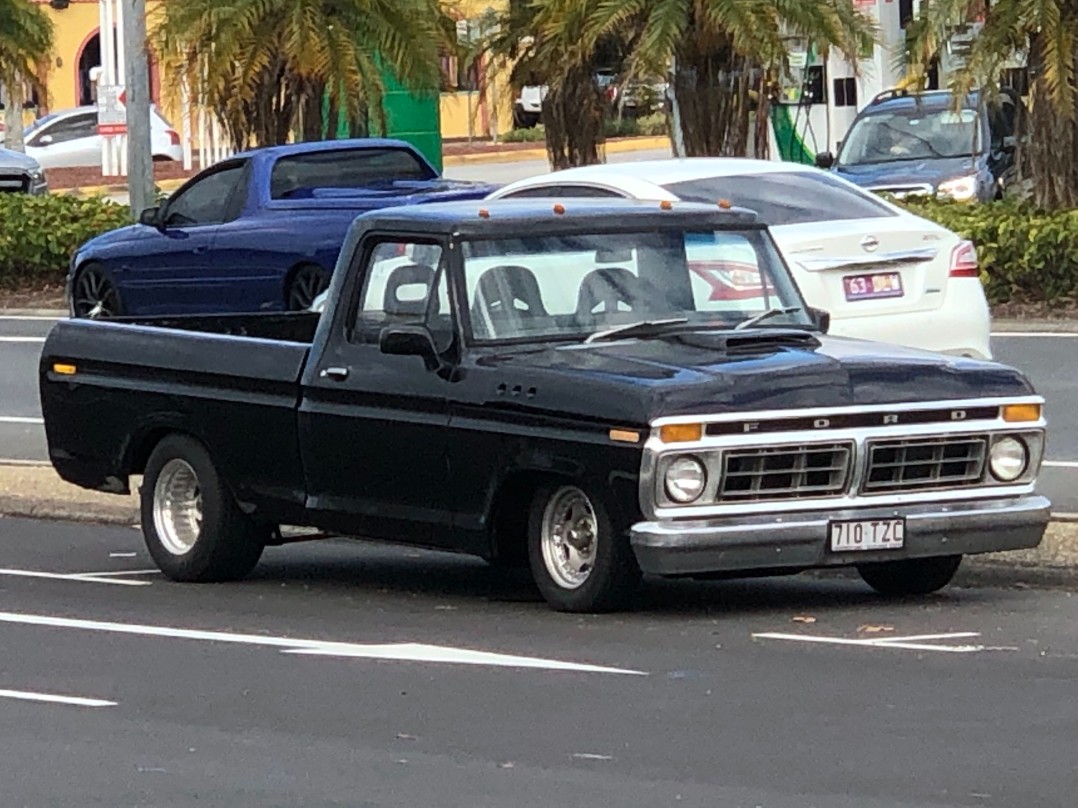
x,y
38,234
1026,255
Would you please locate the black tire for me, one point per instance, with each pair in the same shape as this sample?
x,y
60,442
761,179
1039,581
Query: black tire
x,y
612,577
305,284
916,576
94,294
221,543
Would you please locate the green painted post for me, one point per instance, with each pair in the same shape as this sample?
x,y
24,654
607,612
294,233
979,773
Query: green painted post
x,y
414,115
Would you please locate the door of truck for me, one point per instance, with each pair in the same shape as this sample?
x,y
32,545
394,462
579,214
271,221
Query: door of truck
x,y
373,425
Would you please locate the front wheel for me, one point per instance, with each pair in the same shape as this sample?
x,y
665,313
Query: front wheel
x,y
306,284
578,560
193,527
915,576
94,294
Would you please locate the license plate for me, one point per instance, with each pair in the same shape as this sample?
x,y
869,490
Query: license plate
x,y
867,287
875,534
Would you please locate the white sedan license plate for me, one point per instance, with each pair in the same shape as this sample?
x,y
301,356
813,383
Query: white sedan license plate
x,y
869,534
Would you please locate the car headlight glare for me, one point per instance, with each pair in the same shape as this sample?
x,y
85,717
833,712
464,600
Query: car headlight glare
x,y
961,189
1008,459
685,480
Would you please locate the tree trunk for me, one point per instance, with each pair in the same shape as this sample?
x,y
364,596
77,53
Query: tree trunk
x,y
714,86
573,117
13,135
1048,155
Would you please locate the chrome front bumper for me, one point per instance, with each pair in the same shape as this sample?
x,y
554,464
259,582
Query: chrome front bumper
x,y
801,539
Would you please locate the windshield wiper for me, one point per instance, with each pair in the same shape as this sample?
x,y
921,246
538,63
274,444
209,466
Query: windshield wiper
x,y
765,315
643,328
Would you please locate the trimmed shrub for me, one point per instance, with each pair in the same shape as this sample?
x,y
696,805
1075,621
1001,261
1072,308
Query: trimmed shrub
x,y
1026,255
39,234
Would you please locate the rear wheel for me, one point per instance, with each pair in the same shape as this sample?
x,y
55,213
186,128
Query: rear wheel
x,y
916,576
578,560
193,527
306,283
94,294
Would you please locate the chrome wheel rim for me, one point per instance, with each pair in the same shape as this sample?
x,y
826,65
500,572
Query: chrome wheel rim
x,y
95,296
307,284
570,537
177,507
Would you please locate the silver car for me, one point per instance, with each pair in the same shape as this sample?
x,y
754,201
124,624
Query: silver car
x,y
21,174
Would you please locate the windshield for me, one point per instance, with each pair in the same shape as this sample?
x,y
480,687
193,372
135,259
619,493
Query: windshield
x,y
913,134
570,287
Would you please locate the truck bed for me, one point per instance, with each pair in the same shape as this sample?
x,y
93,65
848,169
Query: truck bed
x,y
233,381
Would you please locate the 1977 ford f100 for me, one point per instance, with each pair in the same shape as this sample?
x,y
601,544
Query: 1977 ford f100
x,y
553,384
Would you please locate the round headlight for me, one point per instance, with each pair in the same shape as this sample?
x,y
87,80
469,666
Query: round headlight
x,y
1008,459
685,480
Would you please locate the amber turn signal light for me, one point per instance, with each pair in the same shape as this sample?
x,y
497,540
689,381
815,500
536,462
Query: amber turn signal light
x,y
1021,413
681,433
63,370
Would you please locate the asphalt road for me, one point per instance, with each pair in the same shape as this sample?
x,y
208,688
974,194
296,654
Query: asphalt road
x,y
344,675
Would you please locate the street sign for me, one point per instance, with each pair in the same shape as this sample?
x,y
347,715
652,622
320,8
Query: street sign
x,y
111,112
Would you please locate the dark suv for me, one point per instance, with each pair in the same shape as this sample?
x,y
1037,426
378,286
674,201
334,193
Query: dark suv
x,y
919,143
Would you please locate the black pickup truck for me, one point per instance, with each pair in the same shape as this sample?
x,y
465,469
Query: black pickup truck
x,y
554,384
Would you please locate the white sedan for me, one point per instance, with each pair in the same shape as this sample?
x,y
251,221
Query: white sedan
x,y
69,139
882,273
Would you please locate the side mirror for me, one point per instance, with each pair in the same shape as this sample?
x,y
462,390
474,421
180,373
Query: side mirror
x,y
45,140
825,160
409,340
151,217
1010,143
821,319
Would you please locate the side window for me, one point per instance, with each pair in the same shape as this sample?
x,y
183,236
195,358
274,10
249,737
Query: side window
x,y
207,201
405,284
68,129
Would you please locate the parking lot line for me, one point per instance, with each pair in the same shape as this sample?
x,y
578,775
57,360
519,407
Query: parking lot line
x,y
76,701
23,339
80,577
915,643
401,651
20,419
1060,464
1036,334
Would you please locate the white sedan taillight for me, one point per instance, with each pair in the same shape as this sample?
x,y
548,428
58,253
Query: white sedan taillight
x,y
964,261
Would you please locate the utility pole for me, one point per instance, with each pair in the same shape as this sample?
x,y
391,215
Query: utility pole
x,y
139,150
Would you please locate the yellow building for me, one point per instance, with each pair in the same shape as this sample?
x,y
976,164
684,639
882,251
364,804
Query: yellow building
x,y
473,103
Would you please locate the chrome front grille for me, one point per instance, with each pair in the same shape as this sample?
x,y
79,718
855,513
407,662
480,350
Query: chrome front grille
x,y
903,191
14,183
924,463
787,472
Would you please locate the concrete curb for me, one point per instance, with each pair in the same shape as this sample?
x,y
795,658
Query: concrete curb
x,y
35,491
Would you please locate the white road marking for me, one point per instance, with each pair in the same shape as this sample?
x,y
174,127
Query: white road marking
x,y
905,643
122,555
80,577
77,701
18,419
116,573
29,317
1060,464
412,652
1036,334
23,339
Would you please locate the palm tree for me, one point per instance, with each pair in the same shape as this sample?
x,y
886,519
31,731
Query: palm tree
x,y
542,38
258,63
724,54
1047,32
25,41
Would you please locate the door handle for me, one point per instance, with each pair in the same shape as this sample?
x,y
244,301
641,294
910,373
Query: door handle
x,y
337,374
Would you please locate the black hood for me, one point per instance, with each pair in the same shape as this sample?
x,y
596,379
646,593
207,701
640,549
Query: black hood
x,y
635,381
